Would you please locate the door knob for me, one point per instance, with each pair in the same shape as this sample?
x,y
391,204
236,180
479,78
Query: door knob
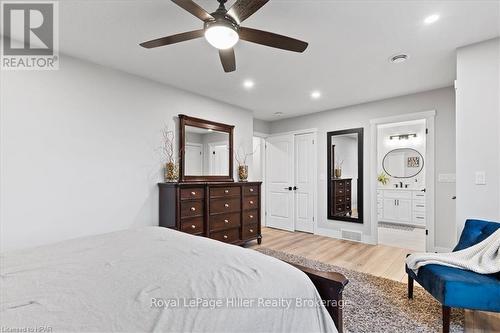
x,y
295,188
289,188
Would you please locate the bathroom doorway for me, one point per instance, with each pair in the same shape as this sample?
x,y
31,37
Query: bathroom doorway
x,y
404,164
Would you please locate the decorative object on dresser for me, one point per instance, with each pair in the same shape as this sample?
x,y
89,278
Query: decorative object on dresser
x,y
228,212
171,173
341,195
241,158
345,175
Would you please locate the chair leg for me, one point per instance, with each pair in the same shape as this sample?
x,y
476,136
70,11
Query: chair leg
x,y
410,287
446,319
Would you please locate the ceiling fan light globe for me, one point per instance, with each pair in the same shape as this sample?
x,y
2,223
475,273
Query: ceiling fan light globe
x,y
221,36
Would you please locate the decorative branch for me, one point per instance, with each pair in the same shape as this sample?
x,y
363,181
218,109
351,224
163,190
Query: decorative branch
x,y
241,155
167,147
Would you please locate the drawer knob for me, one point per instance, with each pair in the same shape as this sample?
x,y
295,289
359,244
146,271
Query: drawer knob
x,y
251,202
250,216
226,221
226,191
226,205
225,236
193,226
193,209
341,191
193,193
251,190
251,230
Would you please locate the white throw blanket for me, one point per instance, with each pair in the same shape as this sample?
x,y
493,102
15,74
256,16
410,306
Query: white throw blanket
x,y
483,258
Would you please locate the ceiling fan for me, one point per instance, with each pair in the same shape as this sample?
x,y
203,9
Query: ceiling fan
x,y
222,30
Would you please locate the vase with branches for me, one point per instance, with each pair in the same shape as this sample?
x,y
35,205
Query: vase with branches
x,y
241,156
171,173
338,169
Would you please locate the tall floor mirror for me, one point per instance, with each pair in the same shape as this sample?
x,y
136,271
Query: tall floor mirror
x,y
345,175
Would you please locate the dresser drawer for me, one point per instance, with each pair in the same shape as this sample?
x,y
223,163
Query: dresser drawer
x,y
347,183
339,184
192,226
191,209
250,203
224,221
339,208
224,205
419,195
228,236
192,193
418,206
250,190
251,216
339,190
340,200
249,231
229,191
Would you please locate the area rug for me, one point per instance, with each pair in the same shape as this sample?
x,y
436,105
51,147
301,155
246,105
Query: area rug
x,y
374,304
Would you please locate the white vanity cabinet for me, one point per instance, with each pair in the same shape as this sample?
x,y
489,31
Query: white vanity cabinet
x,y
403,206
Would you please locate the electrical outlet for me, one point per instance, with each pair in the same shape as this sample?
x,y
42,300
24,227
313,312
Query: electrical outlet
x,y
480,178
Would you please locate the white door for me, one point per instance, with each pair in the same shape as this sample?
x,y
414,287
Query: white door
x,y
219,160
194,159
390,210
404,210
304,182
279,179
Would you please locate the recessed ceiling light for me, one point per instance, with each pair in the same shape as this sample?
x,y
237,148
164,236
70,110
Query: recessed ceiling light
x,y
248,84
315,94
431,19
278,113
398,58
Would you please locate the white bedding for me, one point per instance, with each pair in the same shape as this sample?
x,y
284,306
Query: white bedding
x,y
117,282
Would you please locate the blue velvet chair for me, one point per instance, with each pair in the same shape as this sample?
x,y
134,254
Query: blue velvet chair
x,y
457,288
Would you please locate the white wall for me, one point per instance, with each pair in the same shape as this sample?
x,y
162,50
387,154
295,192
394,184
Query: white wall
x,y
78,149
261,126
478,131
441,100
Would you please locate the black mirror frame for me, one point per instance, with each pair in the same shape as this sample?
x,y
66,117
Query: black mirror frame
x,y
331,164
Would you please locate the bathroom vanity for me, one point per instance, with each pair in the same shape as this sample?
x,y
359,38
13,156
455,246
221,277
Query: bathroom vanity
x,y
402,205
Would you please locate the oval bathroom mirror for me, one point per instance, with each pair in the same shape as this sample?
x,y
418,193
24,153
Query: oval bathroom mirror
x,y
403,163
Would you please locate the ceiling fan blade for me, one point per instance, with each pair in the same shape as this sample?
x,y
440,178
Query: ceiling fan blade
x,y
228,60
173,39
272,39
194,9
243,9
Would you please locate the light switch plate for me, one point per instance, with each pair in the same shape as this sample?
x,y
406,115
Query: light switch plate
x,y
480,178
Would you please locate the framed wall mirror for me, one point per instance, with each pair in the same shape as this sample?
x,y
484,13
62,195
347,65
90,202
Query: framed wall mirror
x,y
403,163
345,175
206,150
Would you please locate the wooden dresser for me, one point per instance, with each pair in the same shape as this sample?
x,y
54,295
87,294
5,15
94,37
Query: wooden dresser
x,y
341,194
226,211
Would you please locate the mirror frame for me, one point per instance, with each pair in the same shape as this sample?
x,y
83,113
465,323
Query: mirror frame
x,y
331,164
202,123
419,171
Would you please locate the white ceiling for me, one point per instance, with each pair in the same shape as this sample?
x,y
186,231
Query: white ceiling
x,y
347,59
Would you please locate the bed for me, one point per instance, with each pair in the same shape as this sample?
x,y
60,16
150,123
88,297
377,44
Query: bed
x,y
158,279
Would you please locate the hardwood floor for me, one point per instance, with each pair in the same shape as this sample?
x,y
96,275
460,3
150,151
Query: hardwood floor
x,y
380,260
